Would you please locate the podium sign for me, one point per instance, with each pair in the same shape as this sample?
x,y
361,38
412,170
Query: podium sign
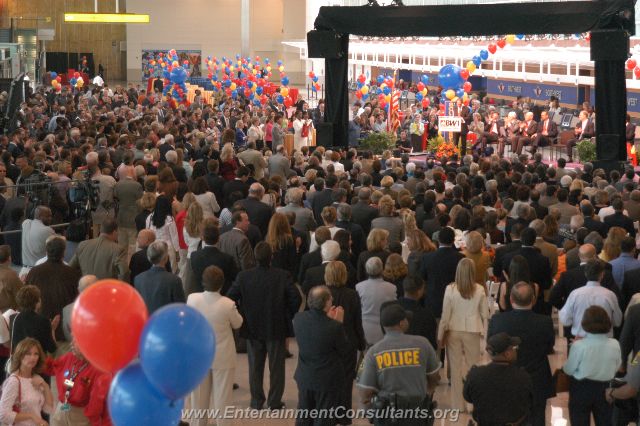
x,y
450,124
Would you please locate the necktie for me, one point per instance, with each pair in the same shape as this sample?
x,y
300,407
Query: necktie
x,y
544,129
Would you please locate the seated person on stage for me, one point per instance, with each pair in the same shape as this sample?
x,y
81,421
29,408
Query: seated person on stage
x,y
585,129
512,129
528,129
546,133
493,132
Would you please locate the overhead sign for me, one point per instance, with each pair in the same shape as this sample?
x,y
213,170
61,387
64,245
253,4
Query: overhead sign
x,y
450,124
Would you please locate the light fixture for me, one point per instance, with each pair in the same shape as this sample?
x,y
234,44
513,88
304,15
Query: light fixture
x,y
114,18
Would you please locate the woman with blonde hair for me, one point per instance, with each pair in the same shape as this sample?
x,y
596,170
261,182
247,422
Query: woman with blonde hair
x,y
474,251
147,203
377,244
228,163
388,220
280,239
335,277
418,244
464,315
612,244
395,271
187,200
192,233
25,388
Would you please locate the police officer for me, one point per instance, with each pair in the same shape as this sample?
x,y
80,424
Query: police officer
x,y
627,391
399,373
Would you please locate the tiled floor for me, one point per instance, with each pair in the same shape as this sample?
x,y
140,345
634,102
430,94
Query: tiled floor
x,y
242,397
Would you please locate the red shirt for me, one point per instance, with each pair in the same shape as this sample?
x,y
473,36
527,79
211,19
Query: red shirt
x,y
90,389
180,218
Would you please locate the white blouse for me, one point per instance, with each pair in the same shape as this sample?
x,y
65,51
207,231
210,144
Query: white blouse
x,y
167,233
31,400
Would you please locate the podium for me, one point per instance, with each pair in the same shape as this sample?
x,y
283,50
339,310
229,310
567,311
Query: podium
x,y
288,143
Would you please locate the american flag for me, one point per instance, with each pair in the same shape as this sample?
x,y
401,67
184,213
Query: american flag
x,y
393,121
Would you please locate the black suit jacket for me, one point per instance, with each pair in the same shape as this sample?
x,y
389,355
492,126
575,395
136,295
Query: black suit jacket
x,y
430,226
216,185
595,225
139,263
259,213
630,133
159,288
267,300
552,128
537,338
630,286
501,253
232,186
362,214
313,277
539,266
212,256
350,301
619,219
321,200
422,323
179,172
308,261
630,335
438,270
358,238
575,278
322,344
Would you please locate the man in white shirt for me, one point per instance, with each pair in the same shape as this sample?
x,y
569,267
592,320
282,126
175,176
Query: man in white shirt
x,y
223,316
592,293
34,237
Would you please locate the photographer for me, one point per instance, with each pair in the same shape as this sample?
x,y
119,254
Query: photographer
x,y
400,371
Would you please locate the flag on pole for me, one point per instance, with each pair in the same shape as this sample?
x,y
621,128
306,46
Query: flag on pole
x,y
393,121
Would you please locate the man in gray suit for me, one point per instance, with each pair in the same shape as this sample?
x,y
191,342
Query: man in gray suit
x,y
279,163
255,158
127,191
235,242
304,216
277,133
566,210
157,286
102,256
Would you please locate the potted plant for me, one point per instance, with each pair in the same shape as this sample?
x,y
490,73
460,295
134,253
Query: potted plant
x,y
434,143
377,143
586,150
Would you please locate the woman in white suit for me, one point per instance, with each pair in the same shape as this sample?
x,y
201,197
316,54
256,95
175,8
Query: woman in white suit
x,y
223,316
464,315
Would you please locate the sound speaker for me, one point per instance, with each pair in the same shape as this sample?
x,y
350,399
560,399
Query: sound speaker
x,y
324,135
609,45
324,44
607,147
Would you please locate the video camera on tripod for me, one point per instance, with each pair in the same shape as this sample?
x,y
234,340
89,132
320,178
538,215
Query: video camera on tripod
x,y
85,194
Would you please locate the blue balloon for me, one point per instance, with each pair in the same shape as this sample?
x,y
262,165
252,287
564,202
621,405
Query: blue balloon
x,y
477,60
174,337
178,75
279,62
259,90
460,93
386,90
234,94
365,96
73,81
134,401
519,36
449,76
424,79
380,79
285,81
313,88
378,91
54,74
237,56
214,77
266,60
315,79
419,96
227,83
280,99
359,85
484,54
249,84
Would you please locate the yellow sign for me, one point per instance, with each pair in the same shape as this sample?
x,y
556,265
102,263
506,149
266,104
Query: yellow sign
x,y
130,18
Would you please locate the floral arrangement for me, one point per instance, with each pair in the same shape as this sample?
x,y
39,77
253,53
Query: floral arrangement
x,y
434,143
586,150
446,149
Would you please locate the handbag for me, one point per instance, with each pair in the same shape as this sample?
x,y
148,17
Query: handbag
x,y
305,131
7,366
561,381
18,403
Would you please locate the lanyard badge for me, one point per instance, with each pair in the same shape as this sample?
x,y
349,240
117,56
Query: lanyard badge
x,y
69,382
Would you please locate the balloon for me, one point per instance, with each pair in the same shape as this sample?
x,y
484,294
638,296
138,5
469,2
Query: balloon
x,y
311,74
54,74
280,99
484,55
424,92
387,98
80,80
362,78
59,79
73,81
492,48
315,79
450,94
380,79
424,79
285,81
107,321
281,68
177,335
263,98
386,90
259,90
247,93
419,97
425,103
288,102
477,60
519,36
449,76
134,401
80,83
76,74
631,64
178,75
279,62
233,86
284,91
466,86
464,73
358,94
510,39
234,94
54,83
459,93
636,72
365,97
420,86
365,90
317,86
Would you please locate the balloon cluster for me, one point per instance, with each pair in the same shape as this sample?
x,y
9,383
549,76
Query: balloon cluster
x,y
421,95
315,86
77,81
383,88
56,81
175,75
176,346
247,78
632,65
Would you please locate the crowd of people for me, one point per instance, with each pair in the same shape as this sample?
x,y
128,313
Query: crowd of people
x,y
377,267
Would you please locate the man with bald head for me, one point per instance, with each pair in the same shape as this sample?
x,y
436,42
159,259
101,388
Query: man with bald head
x,y
139,261
127,191
85,282
259,213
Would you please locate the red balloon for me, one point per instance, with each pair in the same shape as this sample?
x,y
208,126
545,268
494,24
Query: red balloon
x,y
420,86
107,322
588,37
464,73
76,74
501,43
260,82
636,72
362,78
492,48
425,102
288,102
466,87
247,93
59,79
382,104
358,94
631,64
264,99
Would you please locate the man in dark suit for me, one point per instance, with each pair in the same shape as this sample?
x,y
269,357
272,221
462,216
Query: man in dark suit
x,y
313,258
259,213
590,223
178,171
630,131
214,181
545,134
494,131
630,286
239,184
361,212
358,237
317,114
503,251
539,265
422,323
267,299
210,255
541,211
585,129
619,218
528,129
536,344
323,196
139,261
321,372
438,269
330,250
465,113
157,286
